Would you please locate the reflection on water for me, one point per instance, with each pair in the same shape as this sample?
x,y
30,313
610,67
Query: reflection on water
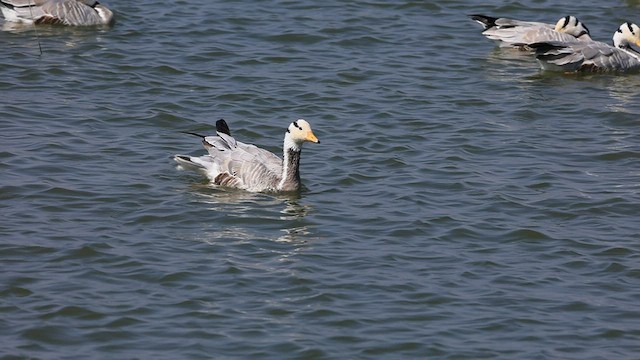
x,y
17,27
625,89
294,210
220,196
293,235
502,61
296,235
458,178
236,233
257,208
41,37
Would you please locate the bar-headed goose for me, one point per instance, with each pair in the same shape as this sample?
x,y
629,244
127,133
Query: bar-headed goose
x,y
64,12
516,33
592,56
244,166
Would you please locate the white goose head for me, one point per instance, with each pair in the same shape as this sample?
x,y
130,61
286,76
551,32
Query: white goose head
x,y
572,26
627,34
298,133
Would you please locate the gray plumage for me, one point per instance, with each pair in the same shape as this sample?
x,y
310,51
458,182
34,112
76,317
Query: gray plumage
x,y
592,56
64,12
516,33
235,164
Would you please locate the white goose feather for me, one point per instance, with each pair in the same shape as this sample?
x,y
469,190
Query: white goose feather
x,y
244,166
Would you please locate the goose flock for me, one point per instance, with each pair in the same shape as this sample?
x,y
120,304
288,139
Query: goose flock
x,y
567,46
62,12
234,164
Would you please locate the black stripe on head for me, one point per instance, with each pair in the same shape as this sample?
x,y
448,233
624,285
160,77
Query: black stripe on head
x,y
585,27
576,21
630,27
566,21
295,123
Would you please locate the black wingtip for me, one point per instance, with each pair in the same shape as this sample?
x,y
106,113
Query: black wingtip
x,y
192,133
222,127
486,21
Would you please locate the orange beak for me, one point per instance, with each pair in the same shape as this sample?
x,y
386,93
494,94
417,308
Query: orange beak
x,y
312,138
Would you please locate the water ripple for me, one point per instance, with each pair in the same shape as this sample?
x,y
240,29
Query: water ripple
x,y
461,204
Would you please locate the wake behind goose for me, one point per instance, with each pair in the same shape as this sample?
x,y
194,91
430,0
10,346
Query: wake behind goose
x,y
235,164
517,33
63,12
592,56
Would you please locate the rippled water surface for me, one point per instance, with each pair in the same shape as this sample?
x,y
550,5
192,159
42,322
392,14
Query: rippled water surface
x,y
462,204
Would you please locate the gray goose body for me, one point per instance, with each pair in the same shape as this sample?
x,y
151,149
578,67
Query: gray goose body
x,y
64,12
516,33
234,164
592,56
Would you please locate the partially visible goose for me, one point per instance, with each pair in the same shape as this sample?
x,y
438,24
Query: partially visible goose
x,y
64,12
592,56
244,166
516,33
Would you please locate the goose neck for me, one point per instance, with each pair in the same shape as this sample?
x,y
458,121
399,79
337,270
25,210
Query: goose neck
x,y
290,169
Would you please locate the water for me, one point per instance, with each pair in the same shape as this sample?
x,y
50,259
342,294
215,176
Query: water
x,y
461,204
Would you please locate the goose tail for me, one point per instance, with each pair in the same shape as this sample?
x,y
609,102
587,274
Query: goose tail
x,y
187,162
222,127
486,21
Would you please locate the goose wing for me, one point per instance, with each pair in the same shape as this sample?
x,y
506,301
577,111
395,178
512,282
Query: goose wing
x,y
235,171
234,164
257,169
67,12
249,170
592,56
491,22
73,12
522,36
23,3
510,32
215,145
22,10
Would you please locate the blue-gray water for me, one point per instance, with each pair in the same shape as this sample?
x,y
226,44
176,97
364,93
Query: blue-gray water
x,y
461,204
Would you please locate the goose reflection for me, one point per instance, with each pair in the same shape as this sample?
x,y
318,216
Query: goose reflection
x,y
624,89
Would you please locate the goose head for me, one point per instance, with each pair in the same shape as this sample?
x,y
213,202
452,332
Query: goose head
x,y
627,34
572,26
298,133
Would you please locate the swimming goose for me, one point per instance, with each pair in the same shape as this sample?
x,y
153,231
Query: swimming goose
x,y
592,56
244,166
64,12
516,33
